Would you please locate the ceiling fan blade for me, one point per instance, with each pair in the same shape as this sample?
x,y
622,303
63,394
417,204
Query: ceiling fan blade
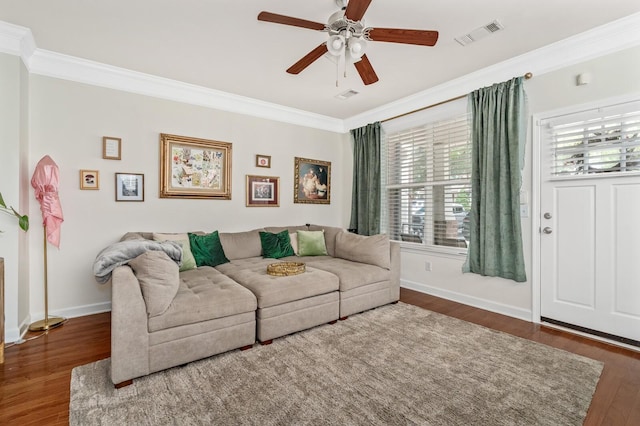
x,y
365,69
308,59
356,9
288,20
396,35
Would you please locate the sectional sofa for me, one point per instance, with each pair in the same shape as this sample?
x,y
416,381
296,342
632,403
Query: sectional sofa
x,y
164,315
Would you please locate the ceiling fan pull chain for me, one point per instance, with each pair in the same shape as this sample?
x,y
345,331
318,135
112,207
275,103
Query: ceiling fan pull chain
x,y
342,62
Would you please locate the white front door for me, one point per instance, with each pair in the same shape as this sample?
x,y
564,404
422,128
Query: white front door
x,y
590,252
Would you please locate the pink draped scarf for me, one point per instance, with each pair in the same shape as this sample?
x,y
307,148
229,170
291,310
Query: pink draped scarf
x,y
45,181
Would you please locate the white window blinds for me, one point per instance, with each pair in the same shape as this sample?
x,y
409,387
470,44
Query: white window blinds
x,y
602,140
426,166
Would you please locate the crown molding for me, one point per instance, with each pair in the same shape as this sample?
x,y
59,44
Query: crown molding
x,y
66,67
16,40
606,39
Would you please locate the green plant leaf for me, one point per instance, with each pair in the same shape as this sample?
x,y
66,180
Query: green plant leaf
x,y
23,221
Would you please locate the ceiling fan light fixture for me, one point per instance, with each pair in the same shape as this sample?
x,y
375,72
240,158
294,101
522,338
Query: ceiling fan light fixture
x,y
336,45
357,48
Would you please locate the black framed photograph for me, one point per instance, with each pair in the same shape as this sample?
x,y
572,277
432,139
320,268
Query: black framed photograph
x,y
129,187
312,181
263,191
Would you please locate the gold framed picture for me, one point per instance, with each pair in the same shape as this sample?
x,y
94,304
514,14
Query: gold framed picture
x,y
129,187
263,161
194,168
263,191
312,181
111,148
89,179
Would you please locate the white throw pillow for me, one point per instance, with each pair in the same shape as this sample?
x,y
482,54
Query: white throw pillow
x,y
293,237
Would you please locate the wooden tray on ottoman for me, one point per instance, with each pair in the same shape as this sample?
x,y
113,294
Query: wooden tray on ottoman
x,y
284,269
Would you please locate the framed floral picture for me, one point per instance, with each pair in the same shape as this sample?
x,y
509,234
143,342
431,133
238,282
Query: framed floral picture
x,y
194,168
263,191
263,161
312,181
129,187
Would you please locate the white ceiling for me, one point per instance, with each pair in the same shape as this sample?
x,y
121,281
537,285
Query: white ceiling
x,y
220,44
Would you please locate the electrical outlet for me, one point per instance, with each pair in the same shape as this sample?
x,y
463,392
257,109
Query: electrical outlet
x,y
427,266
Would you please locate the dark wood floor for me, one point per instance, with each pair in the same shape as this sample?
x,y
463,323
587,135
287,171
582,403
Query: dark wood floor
x,y
36,375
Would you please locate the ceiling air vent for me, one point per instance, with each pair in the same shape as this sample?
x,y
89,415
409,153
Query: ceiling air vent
x,y
479,33
346,95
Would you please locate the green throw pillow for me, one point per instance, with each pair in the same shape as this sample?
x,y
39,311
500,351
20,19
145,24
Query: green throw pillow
x,y
207,249
188,261
277,245
311,243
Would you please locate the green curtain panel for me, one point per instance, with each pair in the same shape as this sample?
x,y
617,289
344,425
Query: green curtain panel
x,y
497,133
365,201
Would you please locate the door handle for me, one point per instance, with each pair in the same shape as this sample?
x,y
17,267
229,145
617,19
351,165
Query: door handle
x,y
547,230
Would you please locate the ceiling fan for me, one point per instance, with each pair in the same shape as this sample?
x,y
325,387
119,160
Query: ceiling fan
x,y
348,37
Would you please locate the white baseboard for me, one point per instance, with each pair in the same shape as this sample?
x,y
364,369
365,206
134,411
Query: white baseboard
x,y
476,302
79,311
16,333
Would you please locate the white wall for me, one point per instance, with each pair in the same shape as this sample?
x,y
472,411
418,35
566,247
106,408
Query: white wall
x,y
68,121
10,90
612,75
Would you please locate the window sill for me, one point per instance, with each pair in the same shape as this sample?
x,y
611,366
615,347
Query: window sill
x,y
457,253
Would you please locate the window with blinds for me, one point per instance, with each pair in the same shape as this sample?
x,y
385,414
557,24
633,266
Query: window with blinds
x,y
603,140
426,174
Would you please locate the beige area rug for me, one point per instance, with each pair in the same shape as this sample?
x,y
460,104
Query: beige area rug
x,y
395,365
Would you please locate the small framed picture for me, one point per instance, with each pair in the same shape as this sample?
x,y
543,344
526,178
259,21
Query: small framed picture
x,y
111,148
89,179
263,161
129,187
263,191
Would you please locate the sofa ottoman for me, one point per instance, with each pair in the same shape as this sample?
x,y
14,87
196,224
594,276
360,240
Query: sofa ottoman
x,y
286,304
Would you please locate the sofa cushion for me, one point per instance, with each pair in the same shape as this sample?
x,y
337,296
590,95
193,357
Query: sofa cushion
x,y
158,278
207,249
271,290
241,245
374,249
188,261
352,274
204,294
311,243
277,245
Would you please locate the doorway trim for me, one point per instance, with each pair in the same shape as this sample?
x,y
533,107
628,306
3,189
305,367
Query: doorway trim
x,y
536,191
